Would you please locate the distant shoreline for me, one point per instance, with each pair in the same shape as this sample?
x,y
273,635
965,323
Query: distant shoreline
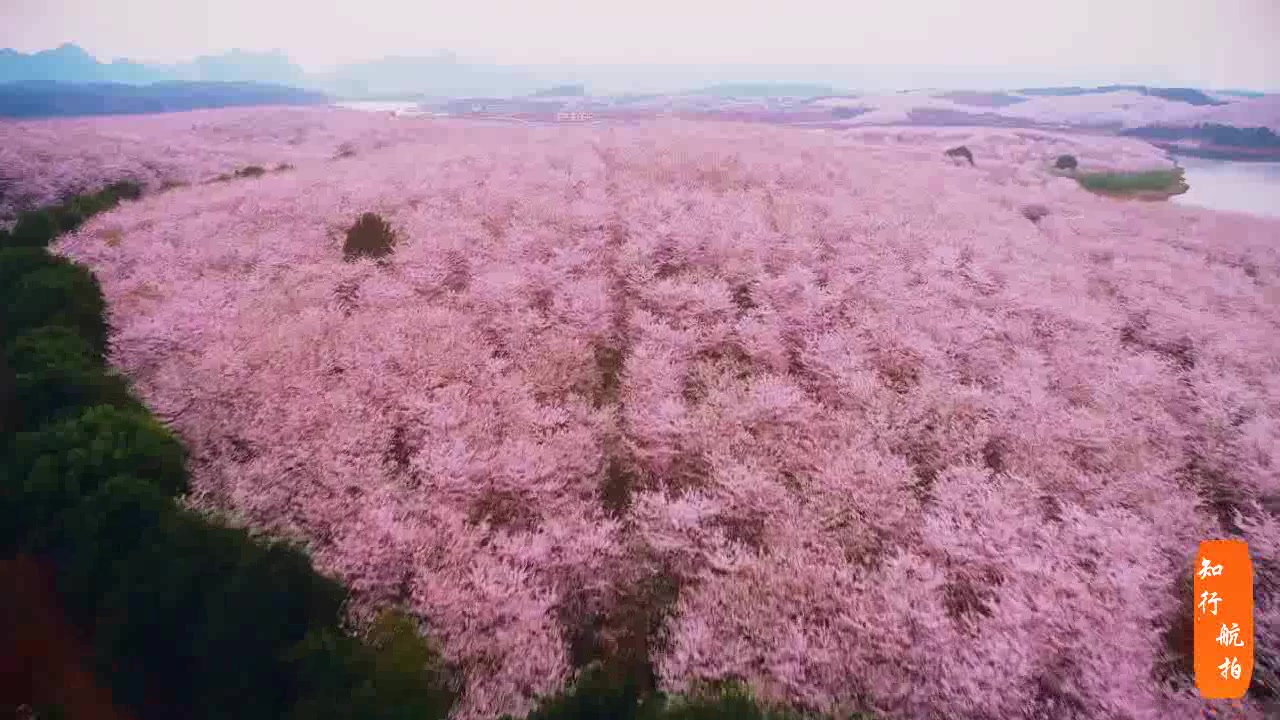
x,y
1221,153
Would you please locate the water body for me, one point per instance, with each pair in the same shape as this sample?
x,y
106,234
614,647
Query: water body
x,y
395,106
1250,187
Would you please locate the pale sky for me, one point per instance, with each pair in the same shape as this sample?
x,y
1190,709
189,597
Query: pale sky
x,y
1218,43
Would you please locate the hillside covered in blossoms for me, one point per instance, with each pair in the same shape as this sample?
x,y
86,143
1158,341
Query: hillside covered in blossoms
x,y
824,412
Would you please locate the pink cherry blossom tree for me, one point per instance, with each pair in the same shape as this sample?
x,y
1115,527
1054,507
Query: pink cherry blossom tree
x,y
826,412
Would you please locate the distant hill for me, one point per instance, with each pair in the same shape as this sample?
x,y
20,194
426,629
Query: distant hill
x,y
562,91
273,68
65,63
72,64
1250,112
1191,96
1057,91
981,99
1241,93
767,90
441,74
53,99
1224,135
1212,140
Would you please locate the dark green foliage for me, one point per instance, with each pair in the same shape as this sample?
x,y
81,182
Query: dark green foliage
x,y
732,701
1253,138
200,620
37,228
98,536
393,675
599,696
71,214
68,216
10,412
255,613
53,468
56,373
728,702
332,671
1128,183
50,349
186,617
1066,162
370,237
406,667
15,262
33,229
251,171
147,617
62,294
961,152
124,190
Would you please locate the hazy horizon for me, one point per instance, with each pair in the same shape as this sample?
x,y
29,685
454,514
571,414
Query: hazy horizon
x,y
988,43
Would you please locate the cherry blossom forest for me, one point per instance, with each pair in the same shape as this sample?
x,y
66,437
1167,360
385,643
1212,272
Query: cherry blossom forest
x,y
824,412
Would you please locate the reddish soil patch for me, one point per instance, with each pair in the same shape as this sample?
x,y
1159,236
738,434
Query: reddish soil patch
x,y
42,658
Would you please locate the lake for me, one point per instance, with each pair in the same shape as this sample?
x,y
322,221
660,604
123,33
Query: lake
x,y
396,106
1251,187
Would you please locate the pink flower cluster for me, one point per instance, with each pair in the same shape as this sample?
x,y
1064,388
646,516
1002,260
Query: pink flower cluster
x,y
42,161
1126,108
1021,157
894,444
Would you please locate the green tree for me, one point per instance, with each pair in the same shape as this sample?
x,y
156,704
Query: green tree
x,y
395,674
60,294
56,373
54,468
100,535
34,229
16,262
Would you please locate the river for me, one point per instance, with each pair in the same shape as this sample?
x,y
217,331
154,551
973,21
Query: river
x,y
1250,187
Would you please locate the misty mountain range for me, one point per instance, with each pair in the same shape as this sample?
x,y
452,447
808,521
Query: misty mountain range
x,y
71,64
438,74
445,75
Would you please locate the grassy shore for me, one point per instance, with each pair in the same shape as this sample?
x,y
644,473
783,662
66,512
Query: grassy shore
x,y
1146,185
